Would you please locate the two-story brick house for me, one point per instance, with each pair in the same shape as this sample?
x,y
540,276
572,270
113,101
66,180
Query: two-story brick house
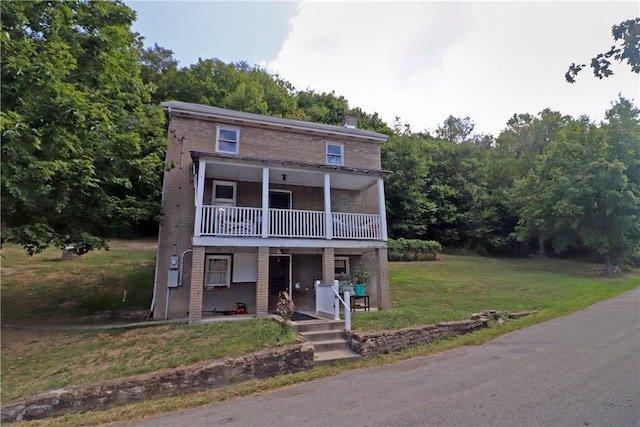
x,y
254,204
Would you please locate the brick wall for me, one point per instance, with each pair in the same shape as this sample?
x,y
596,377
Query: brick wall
x,y
176,230
277,144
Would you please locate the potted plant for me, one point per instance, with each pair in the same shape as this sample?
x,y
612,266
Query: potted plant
x,y
361,277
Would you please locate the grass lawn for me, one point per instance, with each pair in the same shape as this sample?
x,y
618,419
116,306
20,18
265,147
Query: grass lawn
x,y
45,289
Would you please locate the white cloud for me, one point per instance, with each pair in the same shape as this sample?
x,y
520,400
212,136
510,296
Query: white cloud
x,y
423,61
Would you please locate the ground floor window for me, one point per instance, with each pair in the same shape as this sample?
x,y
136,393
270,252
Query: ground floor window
x,y
341,266
217,271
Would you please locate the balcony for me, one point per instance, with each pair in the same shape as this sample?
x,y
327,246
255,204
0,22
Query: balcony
x,y
225,221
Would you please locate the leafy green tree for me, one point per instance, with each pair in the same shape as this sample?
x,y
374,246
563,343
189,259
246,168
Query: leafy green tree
x,y
322,107
236,86
371,122
81,145
455,129
586,188
408,208
521,145
626,36
156,63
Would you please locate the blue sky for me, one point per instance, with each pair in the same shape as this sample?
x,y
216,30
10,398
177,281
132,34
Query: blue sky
x,y
419,60
228,30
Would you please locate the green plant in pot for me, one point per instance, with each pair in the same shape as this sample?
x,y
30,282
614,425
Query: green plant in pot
x,y
361,278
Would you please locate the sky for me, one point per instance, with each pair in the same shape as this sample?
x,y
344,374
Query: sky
x,y
421,61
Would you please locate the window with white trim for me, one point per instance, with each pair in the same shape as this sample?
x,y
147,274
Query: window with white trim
x,y
217,271
335,154
341,266
224,193
280,199
227,140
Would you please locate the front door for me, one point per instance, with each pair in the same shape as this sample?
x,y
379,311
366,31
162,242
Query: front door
x,y
279,273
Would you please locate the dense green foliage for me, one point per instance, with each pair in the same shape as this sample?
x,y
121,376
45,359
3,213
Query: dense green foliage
x,y
413,249
548,182
83,146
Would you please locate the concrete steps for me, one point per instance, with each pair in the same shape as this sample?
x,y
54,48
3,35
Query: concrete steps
x,y
328,339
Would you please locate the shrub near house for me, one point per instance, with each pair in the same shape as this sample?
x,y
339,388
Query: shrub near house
x,y
413,249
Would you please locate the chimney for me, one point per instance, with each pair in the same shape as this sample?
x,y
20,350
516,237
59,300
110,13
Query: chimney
x,y
350,121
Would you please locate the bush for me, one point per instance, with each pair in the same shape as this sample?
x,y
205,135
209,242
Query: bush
x,y
413,249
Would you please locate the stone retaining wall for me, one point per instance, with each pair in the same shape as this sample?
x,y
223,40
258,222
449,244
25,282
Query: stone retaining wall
x,y
165,383
220,372
372,343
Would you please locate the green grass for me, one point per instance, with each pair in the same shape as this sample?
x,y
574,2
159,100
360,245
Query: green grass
x,y
44,289
456,286
50,359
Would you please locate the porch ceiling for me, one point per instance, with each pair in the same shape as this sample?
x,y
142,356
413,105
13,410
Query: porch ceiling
x,y
289,176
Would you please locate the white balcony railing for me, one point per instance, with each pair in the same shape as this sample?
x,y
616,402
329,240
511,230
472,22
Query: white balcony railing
x,y
356,226
296,223
231,221
235,221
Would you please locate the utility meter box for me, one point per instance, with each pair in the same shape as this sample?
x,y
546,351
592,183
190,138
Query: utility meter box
x,y
172,279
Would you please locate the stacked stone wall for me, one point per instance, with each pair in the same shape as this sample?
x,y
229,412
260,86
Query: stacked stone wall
x,y
165,383
372,343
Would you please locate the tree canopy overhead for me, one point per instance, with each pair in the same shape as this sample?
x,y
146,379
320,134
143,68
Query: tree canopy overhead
x,y
626,36
82,147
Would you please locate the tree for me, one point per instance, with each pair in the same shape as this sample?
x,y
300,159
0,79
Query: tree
x,y
322,107
408,208
626,36
156,63
586,187
521,145
455,129
371,122
82,148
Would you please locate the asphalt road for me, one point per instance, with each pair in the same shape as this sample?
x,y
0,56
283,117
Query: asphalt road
x,y
578,370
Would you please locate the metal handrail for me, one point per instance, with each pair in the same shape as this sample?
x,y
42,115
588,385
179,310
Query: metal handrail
x,y
323,301
347,305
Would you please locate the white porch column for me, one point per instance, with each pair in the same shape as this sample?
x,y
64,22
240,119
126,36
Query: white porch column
x,y
197,227
265,203
328,221
382,210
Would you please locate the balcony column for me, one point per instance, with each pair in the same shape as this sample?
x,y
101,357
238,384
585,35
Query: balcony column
x,y
328,265
262,285
265,203
328,221
196,285
382,210
197,227
382,279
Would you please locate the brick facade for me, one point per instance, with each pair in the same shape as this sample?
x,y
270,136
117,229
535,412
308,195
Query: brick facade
x,y
276,144
285,147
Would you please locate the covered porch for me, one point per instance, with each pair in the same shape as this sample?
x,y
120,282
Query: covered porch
x,y
267,199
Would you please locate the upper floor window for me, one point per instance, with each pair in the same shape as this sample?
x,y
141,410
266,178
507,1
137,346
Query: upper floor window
x,y
224,193
279,199
227,140
335,154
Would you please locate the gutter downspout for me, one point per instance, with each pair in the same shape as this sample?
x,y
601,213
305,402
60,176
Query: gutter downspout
x,y
164,178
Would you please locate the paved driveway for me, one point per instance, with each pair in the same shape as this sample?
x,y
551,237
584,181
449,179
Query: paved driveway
x,y
578,370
